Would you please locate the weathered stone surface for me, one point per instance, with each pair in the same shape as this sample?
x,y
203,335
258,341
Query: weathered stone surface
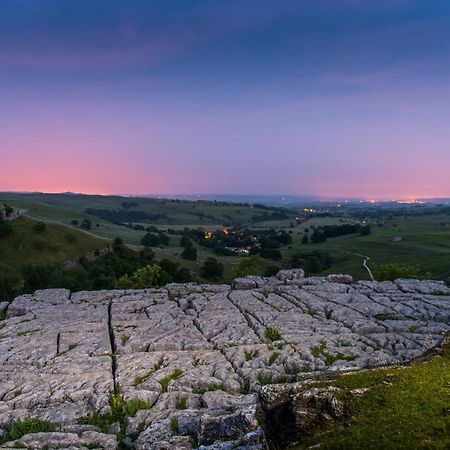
x,y
197,356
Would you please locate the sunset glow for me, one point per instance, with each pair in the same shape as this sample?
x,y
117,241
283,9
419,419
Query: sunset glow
x,y
339,99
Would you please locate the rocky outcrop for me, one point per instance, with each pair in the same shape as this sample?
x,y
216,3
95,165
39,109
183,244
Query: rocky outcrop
x,y
195,364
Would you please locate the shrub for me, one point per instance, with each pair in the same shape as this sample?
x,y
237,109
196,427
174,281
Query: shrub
x,y
273,334
39,227
393,271
25,426
212,269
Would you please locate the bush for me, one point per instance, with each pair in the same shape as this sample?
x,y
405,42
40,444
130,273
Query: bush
x,y
143,278
86,224
212,269
39,227
25,426
189,253
5,227
151,240
10,282
391,272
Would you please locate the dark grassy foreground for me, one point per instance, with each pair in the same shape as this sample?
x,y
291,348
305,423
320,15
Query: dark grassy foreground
x,y
405,408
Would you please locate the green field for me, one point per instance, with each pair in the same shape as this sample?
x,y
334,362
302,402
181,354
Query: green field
x,y
425,239
425,242
56,244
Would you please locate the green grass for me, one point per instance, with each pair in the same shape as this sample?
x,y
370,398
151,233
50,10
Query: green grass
x,y
273,334
425,242
25,426
140,379
57,244
164,382
404,408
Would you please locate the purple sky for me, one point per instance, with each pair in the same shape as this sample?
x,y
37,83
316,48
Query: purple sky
x,y
348,98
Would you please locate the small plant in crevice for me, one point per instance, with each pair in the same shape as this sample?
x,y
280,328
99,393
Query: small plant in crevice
x,y
251,354
124,339
264,378
174,424
273,334
181,402
273,357
164,382
140,379
209,388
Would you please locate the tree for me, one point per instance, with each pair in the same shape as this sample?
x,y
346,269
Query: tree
x,y
74,222
271,271
246,266
86,224
271,253
8,210
185,241
145,277
393,271
5,227
151,240
305,239
39,227
365,231
212,269
313,264
189,253
318,236
10,282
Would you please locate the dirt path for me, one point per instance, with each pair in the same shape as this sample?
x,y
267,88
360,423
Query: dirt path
x,y
366,259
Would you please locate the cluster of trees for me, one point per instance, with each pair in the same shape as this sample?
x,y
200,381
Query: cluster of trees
x,y
125,215
312,262
120,268
155,239
86,224
322,233
189,251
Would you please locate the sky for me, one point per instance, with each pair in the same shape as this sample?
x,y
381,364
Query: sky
x,y
347,98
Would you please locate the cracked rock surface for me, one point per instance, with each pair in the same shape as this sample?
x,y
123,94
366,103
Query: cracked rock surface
x,y
194,357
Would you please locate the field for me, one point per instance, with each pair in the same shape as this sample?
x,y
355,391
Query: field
x,y
425,240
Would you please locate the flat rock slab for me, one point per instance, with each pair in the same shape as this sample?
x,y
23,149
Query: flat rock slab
x,y
196,356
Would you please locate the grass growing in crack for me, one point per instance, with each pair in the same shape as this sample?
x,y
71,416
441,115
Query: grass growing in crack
x,y
120,410
383,317
329,358
181,403
164,382
273,334
25,332
273,357
25,426
264,378
412,329
251,354
140,379
124,339
174,424
209,388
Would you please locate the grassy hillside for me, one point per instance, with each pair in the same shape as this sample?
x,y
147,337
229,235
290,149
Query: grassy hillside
x,y
404,408
56,244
